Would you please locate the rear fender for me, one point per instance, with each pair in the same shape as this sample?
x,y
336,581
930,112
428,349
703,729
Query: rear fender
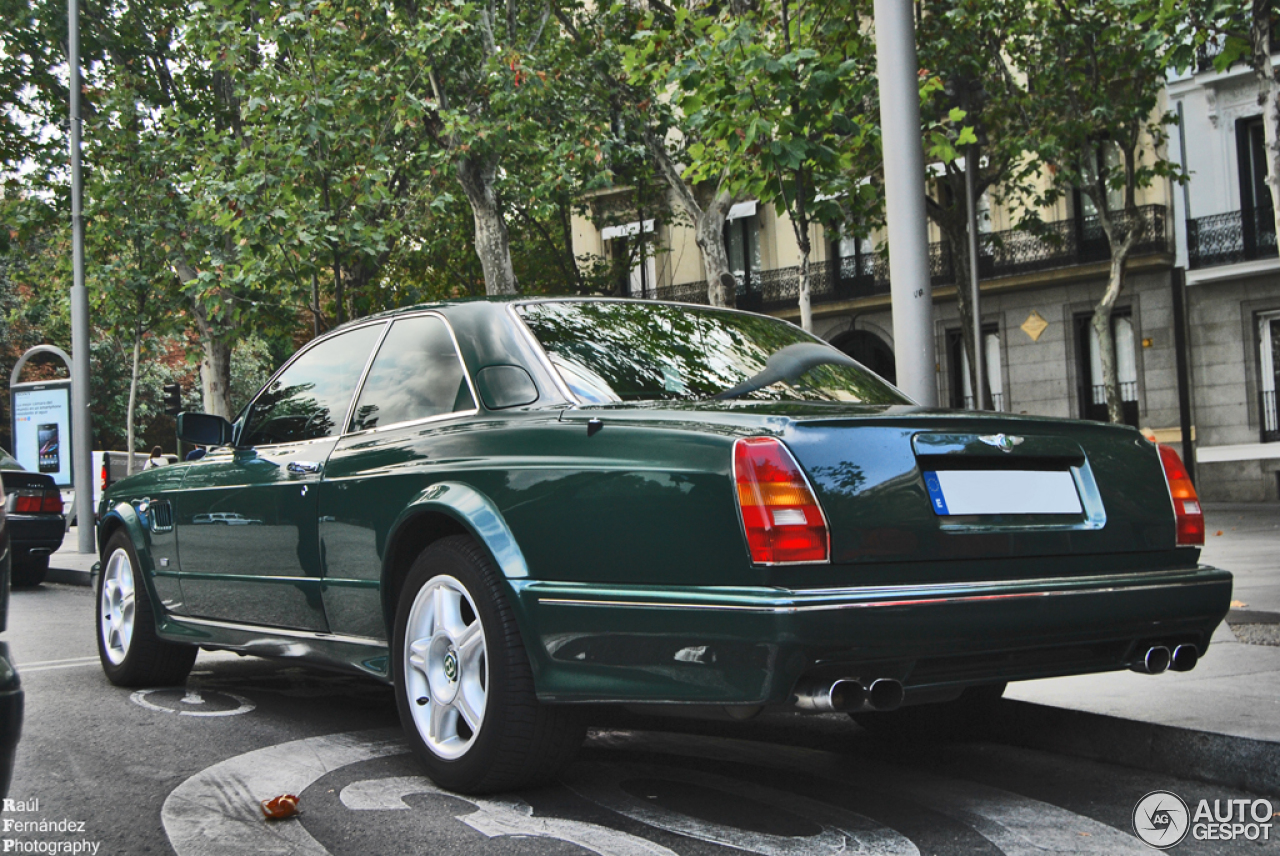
x,y
478,516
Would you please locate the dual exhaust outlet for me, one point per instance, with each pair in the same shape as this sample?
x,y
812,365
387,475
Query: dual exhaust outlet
x,y
1159,658
848,695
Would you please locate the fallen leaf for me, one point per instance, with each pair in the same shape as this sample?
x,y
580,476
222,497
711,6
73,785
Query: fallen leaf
x,y
277,808
1238,604
1219,532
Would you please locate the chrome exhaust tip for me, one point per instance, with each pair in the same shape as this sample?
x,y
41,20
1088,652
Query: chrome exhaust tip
x,y
1184,658
829,696
885,694
1153,662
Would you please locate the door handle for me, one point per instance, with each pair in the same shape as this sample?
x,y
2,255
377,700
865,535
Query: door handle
x,y
303,467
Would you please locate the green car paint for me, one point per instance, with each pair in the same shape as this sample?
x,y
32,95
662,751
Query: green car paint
x,y
618,535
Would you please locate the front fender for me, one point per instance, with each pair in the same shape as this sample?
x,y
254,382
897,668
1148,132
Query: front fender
x,y
122,515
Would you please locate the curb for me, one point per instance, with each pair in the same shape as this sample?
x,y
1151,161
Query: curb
x,y
67,576
1219,759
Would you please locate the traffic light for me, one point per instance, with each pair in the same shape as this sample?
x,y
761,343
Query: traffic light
x,y
173,398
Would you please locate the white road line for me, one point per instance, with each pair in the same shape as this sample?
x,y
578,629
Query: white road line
x,y
1018,825
500,816
70,661
51,665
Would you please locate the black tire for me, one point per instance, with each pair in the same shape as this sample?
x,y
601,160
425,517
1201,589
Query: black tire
x,y
968,716
139,658
30,571
519,741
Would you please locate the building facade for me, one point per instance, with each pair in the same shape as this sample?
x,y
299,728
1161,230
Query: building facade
x,y
1209,245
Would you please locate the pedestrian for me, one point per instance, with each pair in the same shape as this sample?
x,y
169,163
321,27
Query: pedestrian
x,y
196,454
157,459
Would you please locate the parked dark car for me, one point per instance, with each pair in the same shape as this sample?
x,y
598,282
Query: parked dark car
x,y
36,524
511,510
10,686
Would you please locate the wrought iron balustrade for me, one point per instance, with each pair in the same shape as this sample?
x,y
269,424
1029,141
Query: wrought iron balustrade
x,y
1128,391
1231,238
1012,252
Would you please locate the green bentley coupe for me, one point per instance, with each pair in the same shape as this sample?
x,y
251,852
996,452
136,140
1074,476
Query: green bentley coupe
x,y
512,509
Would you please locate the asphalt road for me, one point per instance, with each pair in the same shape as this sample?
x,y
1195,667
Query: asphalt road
x,y
181,771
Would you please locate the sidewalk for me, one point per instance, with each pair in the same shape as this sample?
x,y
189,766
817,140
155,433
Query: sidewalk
x,y
1219,722
68,565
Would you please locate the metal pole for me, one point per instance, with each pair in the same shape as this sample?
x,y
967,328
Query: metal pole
x,y
911,292
82,454
979,356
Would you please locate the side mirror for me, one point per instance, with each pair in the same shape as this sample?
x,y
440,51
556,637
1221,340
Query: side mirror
x,y
205,429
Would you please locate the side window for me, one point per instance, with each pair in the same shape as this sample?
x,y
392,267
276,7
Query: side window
x,y
310,398
416,375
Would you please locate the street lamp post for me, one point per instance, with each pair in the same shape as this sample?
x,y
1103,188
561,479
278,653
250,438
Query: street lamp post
x,y
911,291
82,455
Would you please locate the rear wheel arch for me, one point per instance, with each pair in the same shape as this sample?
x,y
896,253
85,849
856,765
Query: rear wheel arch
x,y
440,511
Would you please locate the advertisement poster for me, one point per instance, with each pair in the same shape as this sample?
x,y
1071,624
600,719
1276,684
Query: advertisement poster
x,y
42,429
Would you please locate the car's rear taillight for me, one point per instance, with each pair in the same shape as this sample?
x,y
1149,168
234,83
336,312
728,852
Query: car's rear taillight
x,y
27,502
781,517
36,502
1186,505
52,502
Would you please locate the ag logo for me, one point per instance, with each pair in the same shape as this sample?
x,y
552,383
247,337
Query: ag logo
x,y
1161,819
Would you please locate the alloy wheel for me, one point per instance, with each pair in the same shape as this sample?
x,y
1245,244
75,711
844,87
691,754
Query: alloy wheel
x,y
446,667
117,605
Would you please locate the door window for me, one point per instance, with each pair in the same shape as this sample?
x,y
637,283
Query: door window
x,y
416,375
962,395
309,399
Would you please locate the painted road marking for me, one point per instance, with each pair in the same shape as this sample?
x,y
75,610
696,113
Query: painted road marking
x,y
1018,825
50,665
842,832
215,812
194,698
500,816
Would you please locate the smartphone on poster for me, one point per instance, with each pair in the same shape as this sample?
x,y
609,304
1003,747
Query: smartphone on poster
x,y
50,452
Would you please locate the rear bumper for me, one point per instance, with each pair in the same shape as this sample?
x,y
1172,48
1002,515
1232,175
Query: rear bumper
x,y
750,645
35,535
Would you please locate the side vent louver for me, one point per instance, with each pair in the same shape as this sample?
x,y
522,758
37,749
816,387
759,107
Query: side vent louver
x,y
161,513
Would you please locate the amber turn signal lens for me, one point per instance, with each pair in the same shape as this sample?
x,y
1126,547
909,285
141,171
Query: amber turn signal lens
x,y
781,517
1186,505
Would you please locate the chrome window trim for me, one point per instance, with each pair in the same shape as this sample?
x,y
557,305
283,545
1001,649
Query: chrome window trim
x,y
305,349
457,353
556,379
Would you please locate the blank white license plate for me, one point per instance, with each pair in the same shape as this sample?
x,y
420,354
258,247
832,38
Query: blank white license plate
x,y
956,492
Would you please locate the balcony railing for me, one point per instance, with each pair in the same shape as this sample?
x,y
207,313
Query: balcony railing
x,y
1128,391
1227,239
1061,244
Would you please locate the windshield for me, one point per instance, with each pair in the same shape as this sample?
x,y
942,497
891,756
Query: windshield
x,y
610,351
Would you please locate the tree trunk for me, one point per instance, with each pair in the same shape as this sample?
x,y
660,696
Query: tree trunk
x,y
215,365
1268,98
1121,246
493,244
708,223
215,375
133,398
800,225
722,285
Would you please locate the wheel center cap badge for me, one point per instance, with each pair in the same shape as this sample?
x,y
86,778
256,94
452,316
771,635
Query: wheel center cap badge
x,y
451,666
1003,442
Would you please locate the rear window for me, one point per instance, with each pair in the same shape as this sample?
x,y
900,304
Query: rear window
x,y
610,351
